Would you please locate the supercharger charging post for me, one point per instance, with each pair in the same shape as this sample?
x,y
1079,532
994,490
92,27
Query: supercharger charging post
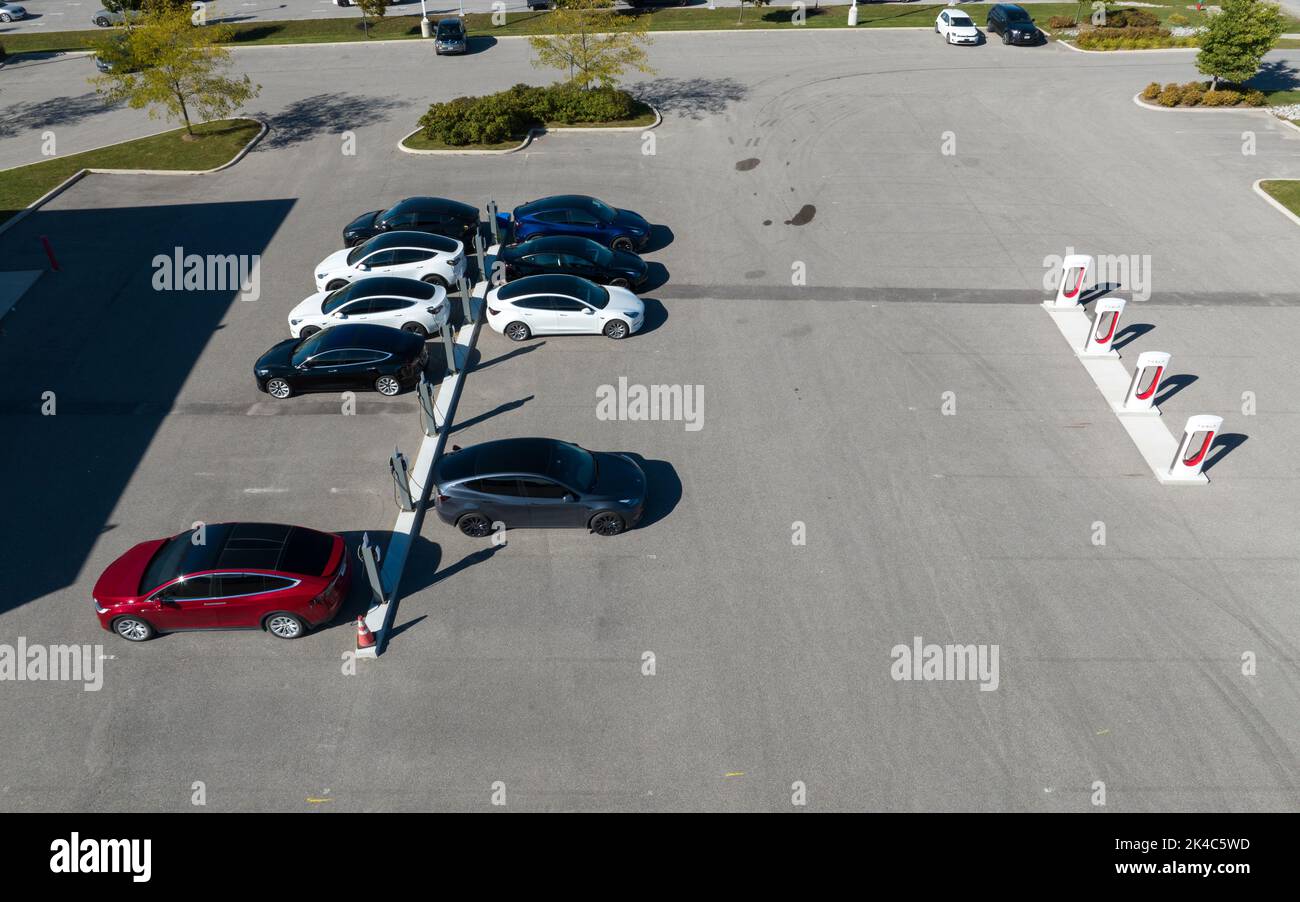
x,y
1140,398
428,407
1102,332
369,555
1074,269
493,226
401,480
1189,461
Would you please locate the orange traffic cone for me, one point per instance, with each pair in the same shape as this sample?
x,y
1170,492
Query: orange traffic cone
x,y
365,638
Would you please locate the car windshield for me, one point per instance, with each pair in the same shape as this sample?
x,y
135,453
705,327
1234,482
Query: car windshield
x,y
594,295
960,21
449,30
358,253
573,466
336,299
1018,15
308,347
602,210
602,256
166,563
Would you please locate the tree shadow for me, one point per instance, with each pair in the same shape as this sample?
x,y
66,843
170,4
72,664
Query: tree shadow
x,y
304,119
787,15
1224,444
58,111
1130,334
1275,75
693,98
1172,386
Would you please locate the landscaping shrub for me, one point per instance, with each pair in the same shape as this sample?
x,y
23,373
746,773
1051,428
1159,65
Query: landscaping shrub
x,y
1061,22
1178,19
509,114
1131,39
1131,18
1151,91
1191,93
1254,98
1170,96
1221,98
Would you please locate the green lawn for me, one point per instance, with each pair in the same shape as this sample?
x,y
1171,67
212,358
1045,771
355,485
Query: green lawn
x,y
403,27
218,142
1284,191
418,141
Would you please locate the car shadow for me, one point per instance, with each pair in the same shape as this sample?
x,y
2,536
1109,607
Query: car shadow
x,y
663,488
656,277
660,237
478,43
656,314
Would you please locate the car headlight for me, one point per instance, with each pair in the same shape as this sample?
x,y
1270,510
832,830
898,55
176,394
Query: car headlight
x,y
321,275
628,500
294,322
263,372
99,609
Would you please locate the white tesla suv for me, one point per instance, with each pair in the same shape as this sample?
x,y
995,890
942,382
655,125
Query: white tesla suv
x,y
407,304
563,305
411,255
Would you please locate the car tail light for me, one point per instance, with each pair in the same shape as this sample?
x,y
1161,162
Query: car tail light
x,y
434,311
492,312
439,500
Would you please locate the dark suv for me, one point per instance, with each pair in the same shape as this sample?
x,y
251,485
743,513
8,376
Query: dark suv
x,y
448,218
1014,24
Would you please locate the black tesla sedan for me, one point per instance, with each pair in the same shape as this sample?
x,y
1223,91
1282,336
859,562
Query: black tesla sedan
x,y
539,482
341,358
573,256
438,215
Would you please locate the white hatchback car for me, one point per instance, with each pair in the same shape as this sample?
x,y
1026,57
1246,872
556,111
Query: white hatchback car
x,y
957,27
406,304
411,255
563,305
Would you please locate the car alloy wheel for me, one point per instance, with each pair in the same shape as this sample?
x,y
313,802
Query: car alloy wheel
x,y
620,282
4,17
616,329
1006,38
621,243
476,526
284,626
308,331
102,22
132,629
416,329
387,386
278,389
607,523
517,332
435,280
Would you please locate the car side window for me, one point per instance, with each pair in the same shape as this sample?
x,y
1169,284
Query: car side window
x,y
230,585
400,221
543,259
504,486
380,258
582,217
541,302
552,216
357,308
411,255
568,305
542,488
192,587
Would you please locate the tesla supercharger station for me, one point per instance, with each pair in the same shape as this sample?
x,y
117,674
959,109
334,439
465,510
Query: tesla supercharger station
x,y
1103,329
1198,435
1074,269
369,555
493,225
428,407
479,250
466,307
1141,394
401,480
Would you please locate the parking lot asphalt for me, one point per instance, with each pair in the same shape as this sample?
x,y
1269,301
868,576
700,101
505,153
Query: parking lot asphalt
x,y
821,404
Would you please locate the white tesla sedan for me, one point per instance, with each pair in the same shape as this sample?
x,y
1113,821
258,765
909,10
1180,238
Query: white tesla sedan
x,y
406,304
563,305
411,255
957,27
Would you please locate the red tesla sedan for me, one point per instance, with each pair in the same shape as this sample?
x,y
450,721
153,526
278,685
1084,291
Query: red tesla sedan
x,y
283,579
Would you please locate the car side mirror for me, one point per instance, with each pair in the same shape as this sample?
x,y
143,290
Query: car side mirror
x,y
588,311
341,315
364,267
570,498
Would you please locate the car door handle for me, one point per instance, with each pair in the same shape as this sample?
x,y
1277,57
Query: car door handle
x,y
213,604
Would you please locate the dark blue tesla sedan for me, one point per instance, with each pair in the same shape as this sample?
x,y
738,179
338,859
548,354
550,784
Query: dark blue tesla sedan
x,y
580,215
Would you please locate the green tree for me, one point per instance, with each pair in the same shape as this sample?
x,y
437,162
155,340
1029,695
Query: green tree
x,y
371,9
1236,39
596,44
166,64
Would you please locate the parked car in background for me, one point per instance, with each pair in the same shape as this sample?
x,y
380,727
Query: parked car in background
x,y
417,214
562,305
449,37
957,27
12,12
580,215
1014,24
408,304
283,579
538,482
569,255
412,255
343,358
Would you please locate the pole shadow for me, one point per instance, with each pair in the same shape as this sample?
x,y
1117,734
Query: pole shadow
x,y
1172,386
1129,334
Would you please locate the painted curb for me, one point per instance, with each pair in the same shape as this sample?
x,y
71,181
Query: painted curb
x,y
82,173
1287,123
1273,202
533,133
